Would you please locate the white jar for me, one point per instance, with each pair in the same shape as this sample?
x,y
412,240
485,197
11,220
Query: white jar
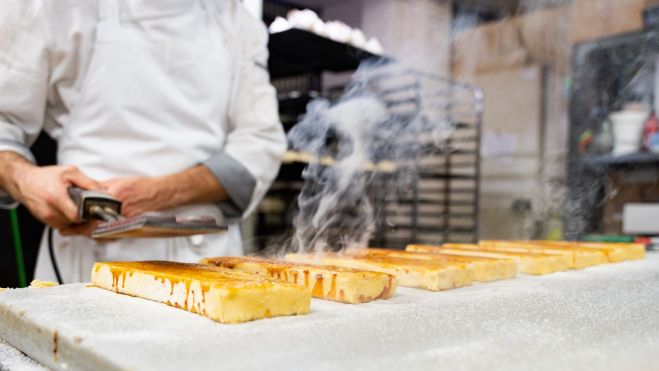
x,y
628,131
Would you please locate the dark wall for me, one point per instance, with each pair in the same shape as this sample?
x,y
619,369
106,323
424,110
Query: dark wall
x,y
31,229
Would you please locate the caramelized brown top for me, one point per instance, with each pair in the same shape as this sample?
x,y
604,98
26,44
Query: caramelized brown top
x,y
589,245
232,261
387,261
466,251
418,255
213,276
539,246
457,245
505,248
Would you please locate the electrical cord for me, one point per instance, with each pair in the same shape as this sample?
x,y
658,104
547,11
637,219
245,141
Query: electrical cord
x,y
53,260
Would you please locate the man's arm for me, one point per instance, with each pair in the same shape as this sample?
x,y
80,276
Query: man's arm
x,y
24,70
43,190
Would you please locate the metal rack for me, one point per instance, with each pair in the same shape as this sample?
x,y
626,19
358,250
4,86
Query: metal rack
x,y
442,159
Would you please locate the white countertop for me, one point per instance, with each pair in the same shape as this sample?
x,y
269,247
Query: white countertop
x,y
604,317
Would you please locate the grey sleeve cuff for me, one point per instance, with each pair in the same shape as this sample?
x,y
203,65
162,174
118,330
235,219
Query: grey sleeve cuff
x,y
6,201
17,147
237,181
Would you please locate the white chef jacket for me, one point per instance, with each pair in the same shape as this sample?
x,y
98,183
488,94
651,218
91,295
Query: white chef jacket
x,y
142,88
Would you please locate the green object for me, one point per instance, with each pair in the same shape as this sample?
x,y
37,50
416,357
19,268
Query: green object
x,y
567,84
584,140
607,238
18,248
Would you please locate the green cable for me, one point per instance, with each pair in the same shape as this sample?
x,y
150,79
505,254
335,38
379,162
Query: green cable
x,y
18,248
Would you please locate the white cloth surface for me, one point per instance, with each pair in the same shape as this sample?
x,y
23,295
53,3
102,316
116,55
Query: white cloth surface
x,y
599,318
13,360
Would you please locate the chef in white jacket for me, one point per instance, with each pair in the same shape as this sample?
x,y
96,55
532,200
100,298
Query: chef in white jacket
x,y
165,104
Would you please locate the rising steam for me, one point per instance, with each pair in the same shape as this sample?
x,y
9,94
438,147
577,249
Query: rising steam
x,y
368,148
332,201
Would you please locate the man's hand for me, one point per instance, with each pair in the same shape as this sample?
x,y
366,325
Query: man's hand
x,y
143,194
44,190
82,229
140,194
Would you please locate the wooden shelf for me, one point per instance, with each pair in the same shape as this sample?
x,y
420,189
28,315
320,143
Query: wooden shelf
x,y
633,159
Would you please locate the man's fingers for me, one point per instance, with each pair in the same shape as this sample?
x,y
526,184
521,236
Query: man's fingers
x,y
55,218
110,186
105,184
66,206
84,229
77,178
70,231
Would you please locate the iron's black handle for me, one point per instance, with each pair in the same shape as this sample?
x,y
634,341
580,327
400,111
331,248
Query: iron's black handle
x,y
89,202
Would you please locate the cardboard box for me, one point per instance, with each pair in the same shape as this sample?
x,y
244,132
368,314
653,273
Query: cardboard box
x,y
625,188
544,36
595,19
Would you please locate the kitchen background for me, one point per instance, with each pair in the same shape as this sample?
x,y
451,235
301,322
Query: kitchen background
x,y
563,147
